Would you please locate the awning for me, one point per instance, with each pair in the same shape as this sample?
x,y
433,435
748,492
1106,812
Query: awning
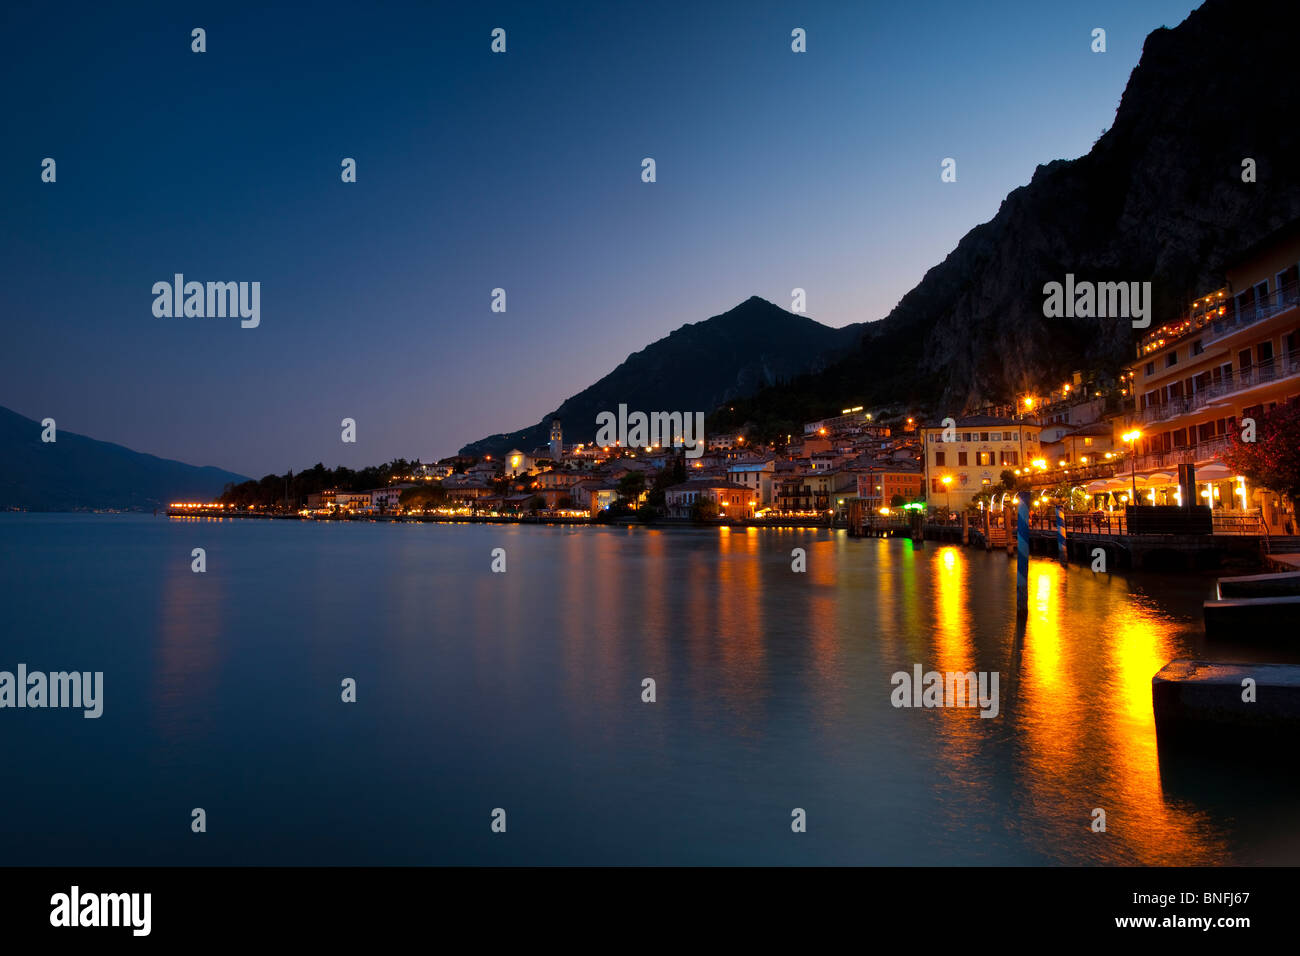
x,y
1121,483
1097,487
1214,472
1161,478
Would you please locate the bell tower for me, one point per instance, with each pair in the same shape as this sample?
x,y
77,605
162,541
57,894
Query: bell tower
x,y
557,440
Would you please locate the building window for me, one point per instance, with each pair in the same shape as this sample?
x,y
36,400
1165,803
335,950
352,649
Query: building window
x,y
1171,360
938,459
984,458
1197,347
1150,369
961,458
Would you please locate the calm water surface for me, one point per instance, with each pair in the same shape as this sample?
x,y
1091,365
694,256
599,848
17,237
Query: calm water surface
x,y
523,691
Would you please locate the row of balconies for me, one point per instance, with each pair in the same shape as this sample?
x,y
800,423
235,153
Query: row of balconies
x,y
1189,455
1236,316
1276,370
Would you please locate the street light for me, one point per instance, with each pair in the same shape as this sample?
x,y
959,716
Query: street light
x,y
947,493
1131,438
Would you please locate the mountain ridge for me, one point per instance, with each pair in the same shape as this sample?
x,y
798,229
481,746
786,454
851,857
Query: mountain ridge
x,y
696,367
76,472
1152,200
1159,197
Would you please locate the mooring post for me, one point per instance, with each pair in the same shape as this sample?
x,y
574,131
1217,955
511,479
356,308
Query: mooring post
x,y
1061,553
918,530
1022,555
988,527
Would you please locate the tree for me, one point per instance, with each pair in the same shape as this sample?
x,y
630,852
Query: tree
x,y
536,503
897,501
1272,459
631,485
704,510
423,497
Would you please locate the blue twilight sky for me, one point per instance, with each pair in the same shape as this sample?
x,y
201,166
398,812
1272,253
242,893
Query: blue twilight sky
x,y
476,170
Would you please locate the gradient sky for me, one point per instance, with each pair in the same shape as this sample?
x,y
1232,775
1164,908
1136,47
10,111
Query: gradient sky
x,y
475,170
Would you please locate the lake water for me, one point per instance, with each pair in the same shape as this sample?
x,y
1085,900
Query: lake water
x,y
522,691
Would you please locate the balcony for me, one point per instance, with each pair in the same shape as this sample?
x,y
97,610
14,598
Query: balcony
x,y
1200,452
1214,326
1252,313
1275,370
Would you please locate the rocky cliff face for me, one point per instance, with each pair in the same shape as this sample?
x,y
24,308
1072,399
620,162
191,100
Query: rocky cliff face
x,y
1160,197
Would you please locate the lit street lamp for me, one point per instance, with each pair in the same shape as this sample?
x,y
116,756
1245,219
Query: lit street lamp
x,y
1131,438
947,493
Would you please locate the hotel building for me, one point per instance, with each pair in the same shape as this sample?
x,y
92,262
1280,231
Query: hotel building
x,y
980,449
1234,355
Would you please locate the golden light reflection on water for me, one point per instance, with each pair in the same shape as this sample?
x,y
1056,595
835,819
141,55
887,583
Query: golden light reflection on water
x,y
742,640
738,629
1085,731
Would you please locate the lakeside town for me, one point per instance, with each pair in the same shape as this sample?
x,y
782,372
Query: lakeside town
x,y
1171,434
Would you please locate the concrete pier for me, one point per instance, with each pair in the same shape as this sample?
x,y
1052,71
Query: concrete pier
x,y
1284,584
1254,618
1197,699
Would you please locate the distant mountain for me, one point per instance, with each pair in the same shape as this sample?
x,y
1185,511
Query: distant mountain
x,y
695,368
1160,197
76,472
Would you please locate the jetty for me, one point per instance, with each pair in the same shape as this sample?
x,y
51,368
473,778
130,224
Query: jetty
x,y
1240,701
1256,606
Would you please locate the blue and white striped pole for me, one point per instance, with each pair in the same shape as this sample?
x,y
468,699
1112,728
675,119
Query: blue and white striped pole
x,y
1022,556
1060,537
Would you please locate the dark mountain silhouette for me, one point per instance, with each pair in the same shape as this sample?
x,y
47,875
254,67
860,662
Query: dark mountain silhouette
x,y
1160,197
76,472
695,368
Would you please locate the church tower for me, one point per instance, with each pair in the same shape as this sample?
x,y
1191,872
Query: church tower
x,y
557,440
